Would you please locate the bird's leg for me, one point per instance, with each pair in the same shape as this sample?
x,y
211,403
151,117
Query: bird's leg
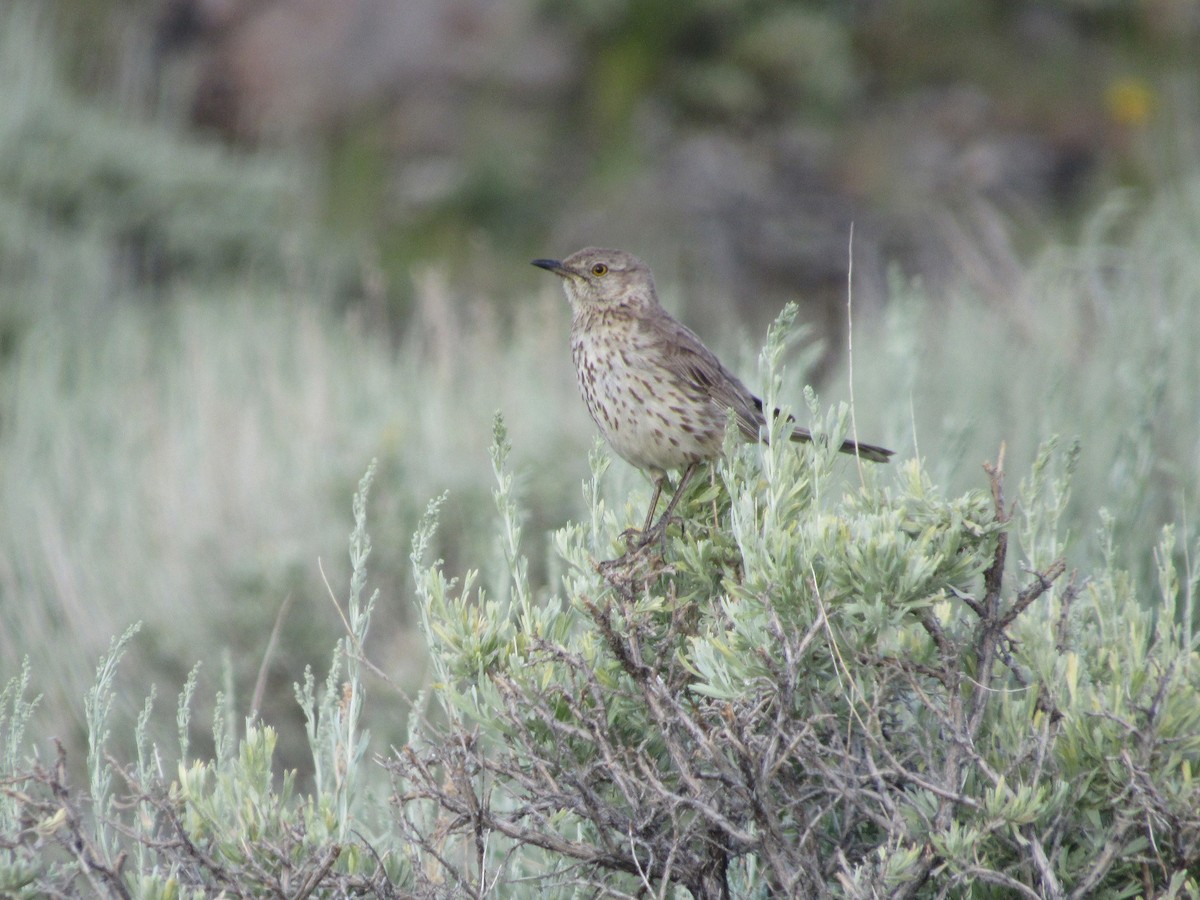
x,y
712,480
660,528
636,539
658,486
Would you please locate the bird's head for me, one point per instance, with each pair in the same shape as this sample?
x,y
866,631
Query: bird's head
x,y
595,278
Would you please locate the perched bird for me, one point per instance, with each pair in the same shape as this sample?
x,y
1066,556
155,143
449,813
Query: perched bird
x,y
659,396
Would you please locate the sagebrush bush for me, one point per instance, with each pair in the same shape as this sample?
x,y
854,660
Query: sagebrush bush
x,y
832,681
858,688
168,825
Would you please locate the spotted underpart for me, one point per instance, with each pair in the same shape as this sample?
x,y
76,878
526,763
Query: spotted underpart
x,y
650,418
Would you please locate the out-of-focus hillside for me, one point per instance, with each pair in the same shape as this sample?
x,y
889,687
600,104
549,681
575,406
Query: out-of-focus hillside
x,y
734,142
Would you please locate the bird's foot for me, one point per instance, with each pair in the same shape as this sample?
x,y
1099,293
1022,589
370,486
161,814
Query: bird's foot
x,y
637,566
644,551
633,538
658,531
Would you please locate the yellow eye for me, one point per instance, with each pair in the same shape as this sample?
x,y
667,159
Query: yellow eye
x,y
599,269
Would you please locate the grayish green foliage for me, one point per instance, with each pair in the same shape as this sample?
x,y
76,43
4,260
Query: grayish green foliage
x,y
841,686
806,695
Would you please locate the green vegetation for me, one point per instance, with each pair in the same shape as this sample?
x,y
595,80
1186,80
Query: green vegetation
x,y
1095,343
179,450
826,689
823,688
912,680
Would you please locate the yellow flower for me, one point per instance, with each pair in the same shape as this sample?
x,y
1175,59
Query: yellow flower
x,y
1129,101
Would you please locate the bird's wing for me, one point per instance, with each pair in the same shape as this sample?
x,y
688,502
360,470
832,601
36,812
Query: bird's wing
x,y
686,357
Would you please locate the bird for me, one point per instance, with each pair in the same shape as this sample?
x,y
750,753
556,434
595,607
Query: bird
x,y
659,396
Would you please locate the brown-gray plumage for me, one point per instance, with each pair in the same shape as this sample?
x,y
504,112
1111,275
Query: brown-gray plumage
x,y
659,396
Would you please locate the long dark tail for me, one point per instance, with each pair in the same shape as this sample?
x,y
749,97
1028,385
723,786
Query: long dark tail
x,y
752,427
854,448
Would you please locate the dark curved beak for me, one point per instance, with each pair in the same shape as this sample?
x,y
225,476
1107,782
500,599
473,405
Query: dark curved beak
x,y
551,265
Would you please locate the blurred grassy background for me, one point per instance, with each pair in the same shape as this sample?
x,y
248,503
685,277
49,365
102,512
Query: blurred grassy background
x,y
204,339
